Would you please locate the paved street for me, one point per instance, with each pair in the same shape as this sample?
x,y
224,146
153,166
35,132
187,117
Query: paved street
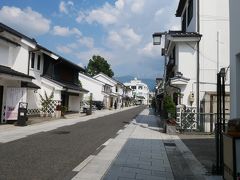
x,y
54,154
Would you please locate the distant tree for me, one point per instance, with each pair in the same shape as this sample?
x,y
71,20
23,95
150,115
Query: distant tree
x,y
98,64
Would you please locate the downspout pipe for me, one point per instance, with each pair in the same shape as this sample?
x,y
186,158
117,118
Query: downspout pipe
x,y
198,68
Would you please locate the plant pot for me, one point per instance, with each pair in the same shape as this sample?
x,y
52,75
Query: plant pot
x,y
170,129
88,112
57,114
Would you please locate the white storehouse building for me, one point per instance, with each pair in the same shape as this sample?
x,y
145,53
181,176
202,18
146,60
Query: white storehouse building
x,y
140,91
195,54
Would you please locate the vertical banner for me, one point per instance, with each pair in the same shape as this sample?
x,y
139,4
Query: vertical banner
x,y
13,97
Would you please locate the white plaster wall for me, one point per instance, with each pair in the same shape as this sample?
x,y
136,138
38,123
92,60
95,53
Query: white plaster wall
x,y
100,78
4,51
235,59
214,18
93,87
74,103
187,59
20,57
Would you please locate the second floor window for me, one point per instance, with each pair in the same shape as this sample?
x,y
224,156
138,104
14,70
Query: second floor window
x,y
133,87
38,62
116,89
184,22
32,60
190,11
140,87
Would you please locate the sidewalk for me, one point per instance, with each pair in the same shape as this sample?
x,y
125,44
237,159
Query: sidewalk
x,y
9,132
141,152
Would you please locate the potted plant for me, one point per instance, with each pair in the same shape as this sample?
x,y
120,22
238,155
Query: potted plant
x,y
89,110
58,111
169,108
171,126
63,110
45,103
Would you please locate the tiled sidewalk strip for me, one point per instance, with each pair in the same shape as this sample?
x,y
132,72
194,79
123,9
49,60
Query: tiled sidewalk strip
x,y
100,163
142,155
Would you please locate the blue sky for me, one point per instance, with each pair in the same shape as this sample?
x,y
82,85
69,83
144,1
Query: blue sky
x,y
119,30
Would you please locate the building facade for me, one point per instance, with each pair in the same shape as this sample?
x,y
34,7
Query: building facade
x,y
140,91
29,70
235,58
15,80
195,54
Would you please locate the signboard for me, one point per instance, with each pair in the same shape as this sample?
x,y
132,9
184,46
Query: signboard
x,y
13,97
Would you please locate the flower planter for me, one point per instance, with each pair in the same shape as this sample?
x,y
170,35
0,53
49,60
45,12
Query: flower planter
x,y
88,112
170,129
57,114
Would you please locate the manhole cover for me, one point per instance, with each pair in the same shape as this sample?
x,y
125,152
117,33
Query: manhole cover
x,y
61,132
169,144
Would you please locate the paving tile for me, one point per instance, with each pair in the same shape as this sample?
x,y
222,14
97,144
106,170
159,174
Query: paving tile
x,y
136,170
148,177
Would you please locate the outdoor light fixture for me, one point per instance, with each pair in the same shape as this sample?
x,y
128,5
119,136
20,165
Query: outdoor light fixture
x,y
157,38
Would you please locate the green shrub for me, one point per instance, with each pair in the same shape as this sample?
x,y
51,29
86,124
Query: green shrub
x,y
169,106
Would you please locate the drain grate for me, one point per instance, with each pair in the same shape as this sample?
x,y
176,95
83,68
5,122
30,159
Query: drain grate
x,y
61,132
169,144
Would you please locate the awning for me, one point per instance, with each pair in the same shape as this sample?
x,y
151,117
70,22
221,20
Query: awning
x,y
29,85
68,87
179,80
8,72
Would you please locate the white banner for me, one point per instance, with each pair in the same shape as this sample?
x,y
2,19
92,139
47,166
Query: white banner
x,y
13,97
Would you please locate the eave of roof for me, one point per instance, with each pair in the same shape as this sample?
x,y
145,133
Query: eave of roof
x,y
4,27
67,85
9,71
180,8
61,58
183,34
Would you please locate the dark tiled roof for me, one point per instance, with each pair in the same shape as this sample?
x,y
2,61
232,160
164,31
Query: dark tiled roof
x,y
62,59
67,85
4,27
9,71
180,8
29,85
184,34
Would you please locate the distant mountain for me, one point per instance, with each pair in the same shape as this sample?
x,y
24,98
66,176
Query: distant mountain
x,y
150,82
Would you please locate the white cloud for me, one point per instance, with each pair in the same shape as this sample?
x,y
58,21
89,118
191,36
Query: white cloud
x,y
149,50
26,20
128,26
65,31
125,38
65,6
119,4
104,16
64,49
137,6
86,41
84,56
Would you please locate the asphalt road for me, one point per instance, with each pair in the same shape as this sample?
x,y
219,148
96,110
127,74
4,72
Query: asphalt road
x,y
54,154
